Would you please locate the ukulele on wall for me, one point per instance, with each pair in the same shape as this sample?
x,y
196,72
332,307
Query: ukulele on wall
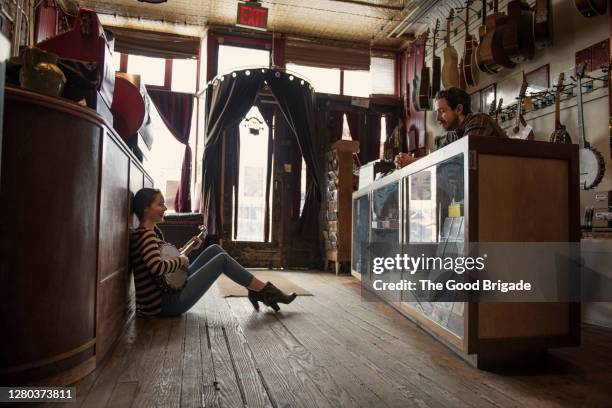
x,y
560,134
592,165
521,130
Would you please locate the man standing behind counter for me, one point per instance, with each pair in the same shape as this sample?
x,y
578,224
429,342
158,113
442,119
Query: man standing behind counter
x,y
454,113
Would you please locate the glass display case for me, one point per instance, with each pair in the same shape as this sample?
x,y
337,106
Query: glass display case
x,y
473,190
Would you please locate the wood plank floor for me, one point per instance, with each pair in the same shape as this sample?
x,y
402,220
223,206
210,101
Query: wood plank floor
x,y
327,350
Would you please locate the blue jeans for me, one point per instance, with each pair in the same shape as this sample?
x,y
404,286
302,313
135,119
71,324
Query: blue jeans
x,y
202,273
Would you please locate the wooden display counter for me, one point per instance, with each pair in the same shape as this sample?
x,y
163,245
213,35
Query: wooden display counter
x,y
66,291
483,190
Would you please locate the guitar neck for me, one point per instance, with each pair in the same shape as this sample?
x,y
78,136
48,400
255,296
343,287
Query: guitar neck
x,y
558,111
581,141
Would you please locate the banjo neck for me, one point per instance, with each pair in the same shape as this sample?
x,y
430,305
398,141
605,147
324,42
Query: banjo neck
x,y
189,246
582,141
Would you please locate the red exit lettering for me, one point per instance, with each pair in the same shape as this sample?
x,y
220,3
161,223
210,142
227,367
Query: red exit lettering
x,y
252,16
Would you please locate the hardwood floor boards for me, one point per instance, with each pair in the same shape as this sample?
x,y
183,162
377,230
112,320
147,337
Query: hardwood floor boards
x,y
332,349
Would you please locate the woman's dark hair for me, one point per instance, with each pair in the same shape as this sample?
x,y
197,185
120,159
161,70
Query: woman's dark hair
x,y
143,198
455,96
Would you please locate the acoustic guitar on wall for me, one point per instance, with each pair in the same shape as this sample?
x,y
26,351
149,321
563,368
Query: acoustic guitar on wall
x,y
468,65
450,72
591,8
425,84
490,53
436,64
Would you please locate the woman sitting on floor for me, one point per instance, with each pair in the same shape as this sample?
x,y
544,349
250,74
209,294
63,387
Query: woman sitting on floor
x,y
149,268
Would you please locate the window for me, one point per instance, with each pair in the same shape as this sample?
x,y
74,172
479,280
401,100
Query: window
x,y
116,61
383,75
325,80
303,186
165,159
184,74
383,136
232,58
252,183
151,70
357,83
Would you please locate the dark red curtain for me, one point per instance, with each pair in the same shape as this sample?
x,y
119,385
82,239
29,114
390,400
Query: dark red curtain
x,y
267,111
228,101
176,109
365,127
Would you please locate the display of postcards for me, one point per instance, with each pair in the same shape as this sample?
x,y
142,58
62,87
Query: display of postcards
x,y
333,237
332,225
332,195
331,175
332,165
330,246
332,205
331,185
332,216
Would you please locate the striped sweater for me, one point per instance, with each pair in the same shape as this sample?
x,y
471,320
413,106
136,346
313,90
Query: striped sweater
x,y
149,269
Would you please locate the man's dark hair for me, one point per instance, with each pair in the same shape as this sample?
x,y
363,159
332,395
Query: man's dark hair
x,y
455,96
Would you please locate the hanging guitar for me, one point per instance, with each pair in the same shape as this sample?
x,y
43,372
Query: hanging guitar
x,y
543,24
592,165
468,65
521,130
175,281
591,8
560,134
436,64
416,82
450,72
425,84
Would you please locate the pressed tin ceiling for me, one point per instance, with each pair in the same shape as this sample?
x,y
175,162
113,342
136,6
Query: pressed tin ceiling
x,y
377,23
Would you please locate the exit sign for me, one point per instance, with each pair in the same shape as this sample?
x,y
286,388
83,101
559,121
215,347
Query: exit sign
x,y
252,15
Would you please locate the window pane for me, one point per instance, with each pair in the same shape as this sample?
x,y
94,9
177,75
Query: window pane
x,y
326,80
184,75
116,61
165,158
252,183
357,83
233,58
383,75
151,70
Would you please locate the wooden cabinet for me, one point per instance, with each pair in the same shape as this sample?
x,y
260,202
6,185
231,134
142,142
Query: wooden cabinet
x,y
337,234
475,190
67,180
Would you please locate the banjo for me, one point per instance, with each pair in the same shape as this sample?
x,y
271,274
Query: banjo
x,y
592,165
175,281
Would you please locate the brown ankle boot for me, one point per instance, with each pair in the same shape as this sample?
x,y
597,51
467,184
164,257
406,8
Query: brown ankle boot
x,y
272,296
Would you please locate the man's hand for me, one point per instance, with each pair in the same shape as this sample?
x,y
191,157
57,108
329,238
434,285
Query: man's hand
x,y
404,159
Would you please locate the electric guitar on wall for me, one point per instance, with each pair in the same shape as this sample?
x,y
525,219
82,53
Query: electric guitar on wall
x,y
592,165
560,134
521,130
177,280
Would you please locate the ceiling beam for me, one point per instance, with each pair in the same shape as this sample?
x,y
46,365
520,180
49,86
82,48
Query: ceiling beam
x,y
374,5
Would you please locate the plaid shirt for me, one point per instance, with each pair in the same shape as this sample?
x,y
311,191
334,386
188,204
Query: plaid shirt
x,y
475,124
